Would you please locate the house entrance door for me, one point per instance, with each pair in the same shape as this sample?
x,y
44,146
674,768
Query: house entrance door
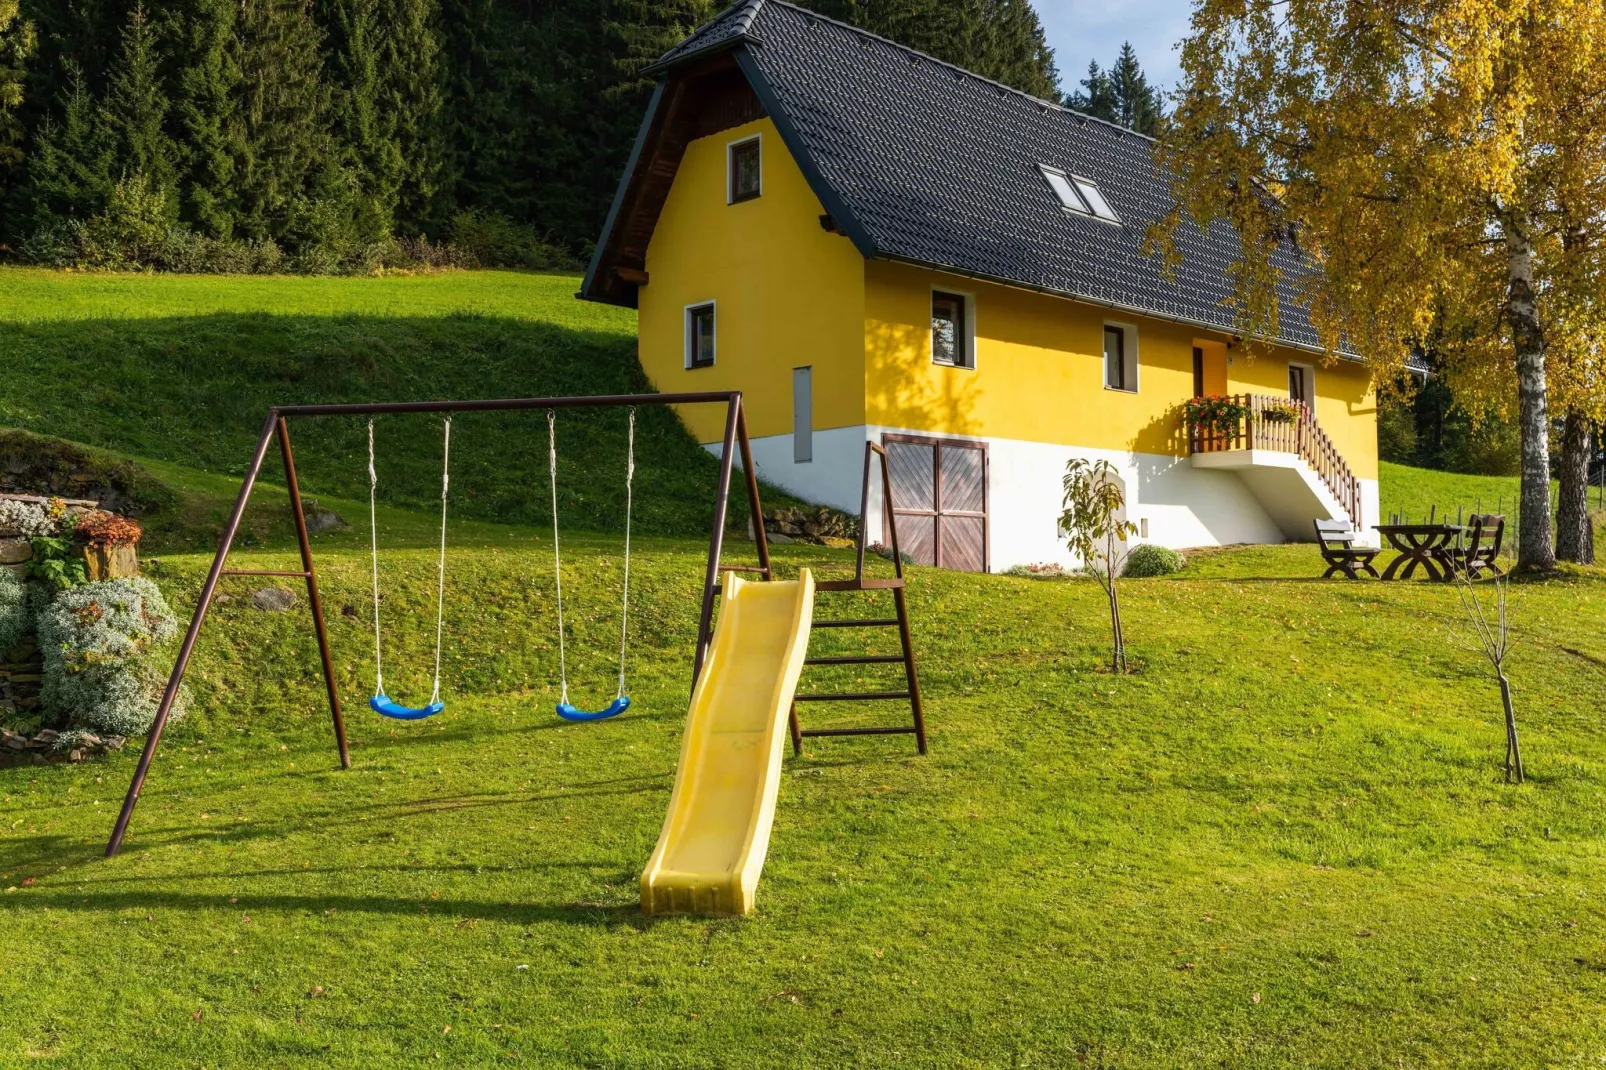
x,y
939,491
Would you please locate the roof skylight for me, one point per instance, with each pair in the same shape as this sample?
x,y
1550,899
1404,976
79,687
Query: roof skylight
x,y
1078,194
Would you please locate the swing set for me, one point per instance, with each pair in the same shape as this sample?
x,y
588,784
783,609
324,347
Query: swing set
x,y
276,427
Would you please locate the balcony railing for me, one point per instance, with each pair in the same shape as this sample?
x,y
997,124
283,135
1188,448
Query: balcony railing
x,y
1284,426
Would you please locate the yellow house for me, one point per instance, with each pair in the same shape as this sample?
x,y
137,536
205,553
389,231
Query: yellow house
x,y
877,246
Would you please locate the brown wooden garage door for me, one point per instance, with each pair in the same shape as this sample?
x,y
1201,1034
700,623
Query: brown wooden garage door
x,y
939,493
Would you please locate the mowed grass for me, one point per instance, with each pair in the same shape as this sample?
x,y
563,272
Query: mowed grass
x,y
183,370
1284,841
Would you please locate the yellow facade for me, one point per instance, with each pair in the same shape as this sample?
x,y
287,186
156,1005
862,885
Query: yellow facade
x,y
789,294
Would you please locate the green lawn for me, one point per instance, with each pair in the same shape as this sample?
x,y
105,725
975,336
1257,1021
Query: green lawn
x,y
1283,841
183,369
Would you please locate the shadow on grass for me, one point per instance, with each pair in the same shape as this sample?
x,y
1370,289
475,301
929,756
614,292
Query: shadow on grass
x,y
57,853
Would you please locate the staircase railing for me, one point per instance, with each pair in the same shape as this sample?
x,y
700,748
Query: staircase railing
x,y
1284,426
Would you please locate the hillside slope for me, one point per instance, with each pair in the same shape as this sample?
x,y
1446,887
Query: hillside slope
x,y
182,369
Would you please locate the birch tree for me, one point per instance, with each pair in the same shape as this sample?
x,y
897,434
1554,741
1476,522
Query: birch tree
x,y
1438,162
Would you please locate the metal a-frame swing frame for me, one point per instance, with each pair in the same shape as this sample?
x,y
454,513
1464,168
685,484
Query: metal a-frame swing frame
x,y
277,427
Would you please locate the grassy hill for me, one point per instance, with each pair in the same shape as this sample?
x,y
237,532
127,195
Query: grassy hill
x,y
183,369
1284,840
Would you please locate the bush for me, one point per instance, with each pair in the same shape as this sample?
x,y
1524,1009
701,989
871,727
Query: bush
x,y
1147,559
96,639
492,240
16,610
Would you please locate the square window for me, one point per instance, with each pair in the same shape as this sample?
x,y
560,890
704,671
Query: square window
x,y
700,336
745,170
950,333
1120,359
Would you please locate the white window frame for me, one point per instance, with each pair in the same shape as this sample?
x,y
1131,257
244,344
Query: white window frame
x,y
1129,356
730,168
969,299
1310,382
686,331
1083,207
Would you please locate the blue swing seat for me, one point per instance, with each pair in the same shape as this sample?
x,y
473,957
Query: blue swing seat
x,y
616,707
385,706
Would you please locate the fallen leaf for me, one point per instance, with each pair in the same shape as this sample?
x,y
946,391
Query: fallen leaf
x,y
1254,997
1363,932
196,1016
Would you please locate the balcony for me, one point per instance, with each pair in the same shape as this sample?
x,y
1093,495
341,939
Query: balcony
x,y
1285,458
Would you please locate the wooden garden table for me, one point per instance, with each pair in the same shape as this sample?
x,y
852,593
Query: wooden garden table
x,y
1427,545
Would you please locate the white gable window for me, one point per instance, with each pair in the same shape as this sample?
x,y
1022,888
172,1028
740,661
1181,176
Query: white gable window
x,y
1077,194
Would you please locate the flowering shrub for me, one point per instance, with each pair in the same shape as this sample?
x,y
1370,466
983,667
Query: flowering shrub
x,y
30,519
1214,412
96,639
100,529
1280,412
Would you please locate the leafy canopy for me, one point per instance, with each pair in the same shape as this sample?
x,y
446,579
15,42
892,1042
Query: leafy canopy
x,y
1400,143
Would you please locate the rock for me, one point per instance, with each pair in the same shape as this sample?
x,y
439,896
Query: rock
x,y
46,736
273,599
322,520
777,537
115,742
15,551
11,740
25,677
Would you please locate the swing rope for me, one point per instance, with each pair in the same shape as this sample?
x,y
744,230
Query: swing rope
x,y
557,558
620,702
440,570
379,701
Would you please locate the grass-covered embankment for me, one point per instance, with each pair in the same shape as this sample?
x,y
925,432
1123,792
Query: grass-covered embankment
x,y
182,369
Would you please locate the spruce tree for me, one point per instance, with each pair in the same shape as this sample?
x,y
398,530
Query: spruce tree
x,y
1097,95
1121,95
135,112
70,170
16,45
278,127
411,96
1138,105
206,94
998,39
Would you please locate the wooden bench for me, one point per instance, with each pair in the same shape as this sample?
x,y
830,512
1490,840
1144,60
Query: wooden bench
x,y
1480,551
1336,540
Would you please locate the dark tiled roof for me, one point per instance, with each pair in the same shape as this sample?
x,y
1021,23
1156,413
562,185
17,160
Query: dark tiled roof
x,y
731,25
920,161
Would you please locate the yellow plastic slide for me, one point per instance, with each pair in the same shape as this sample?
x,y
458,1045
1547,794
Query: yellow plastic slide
x,y
717,832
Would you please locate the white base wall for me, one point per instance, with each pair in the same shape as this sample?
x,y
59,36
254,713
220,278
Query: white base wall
x,y
1183,505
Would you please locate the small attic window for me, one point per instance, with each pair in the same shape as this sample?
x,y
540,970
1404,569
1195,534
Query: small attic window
x,y
1079,195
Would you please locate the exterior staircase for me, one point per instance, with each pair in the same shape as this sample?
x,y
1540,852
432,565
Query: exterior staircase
x,y
1287,461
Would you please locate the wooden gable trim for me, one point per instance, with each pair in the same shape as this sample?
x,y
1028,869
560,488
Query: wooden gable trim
x,y
690,104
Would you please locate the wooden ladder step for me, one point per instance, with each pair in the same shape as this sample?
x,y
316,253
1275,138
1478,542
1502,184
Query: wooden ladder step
x,y
888,622
863,659
907,730
855,696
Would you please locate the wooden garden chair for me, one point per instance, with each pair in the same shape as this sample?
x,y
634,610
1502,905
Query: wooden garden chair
x,y
1336,539
1480,551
